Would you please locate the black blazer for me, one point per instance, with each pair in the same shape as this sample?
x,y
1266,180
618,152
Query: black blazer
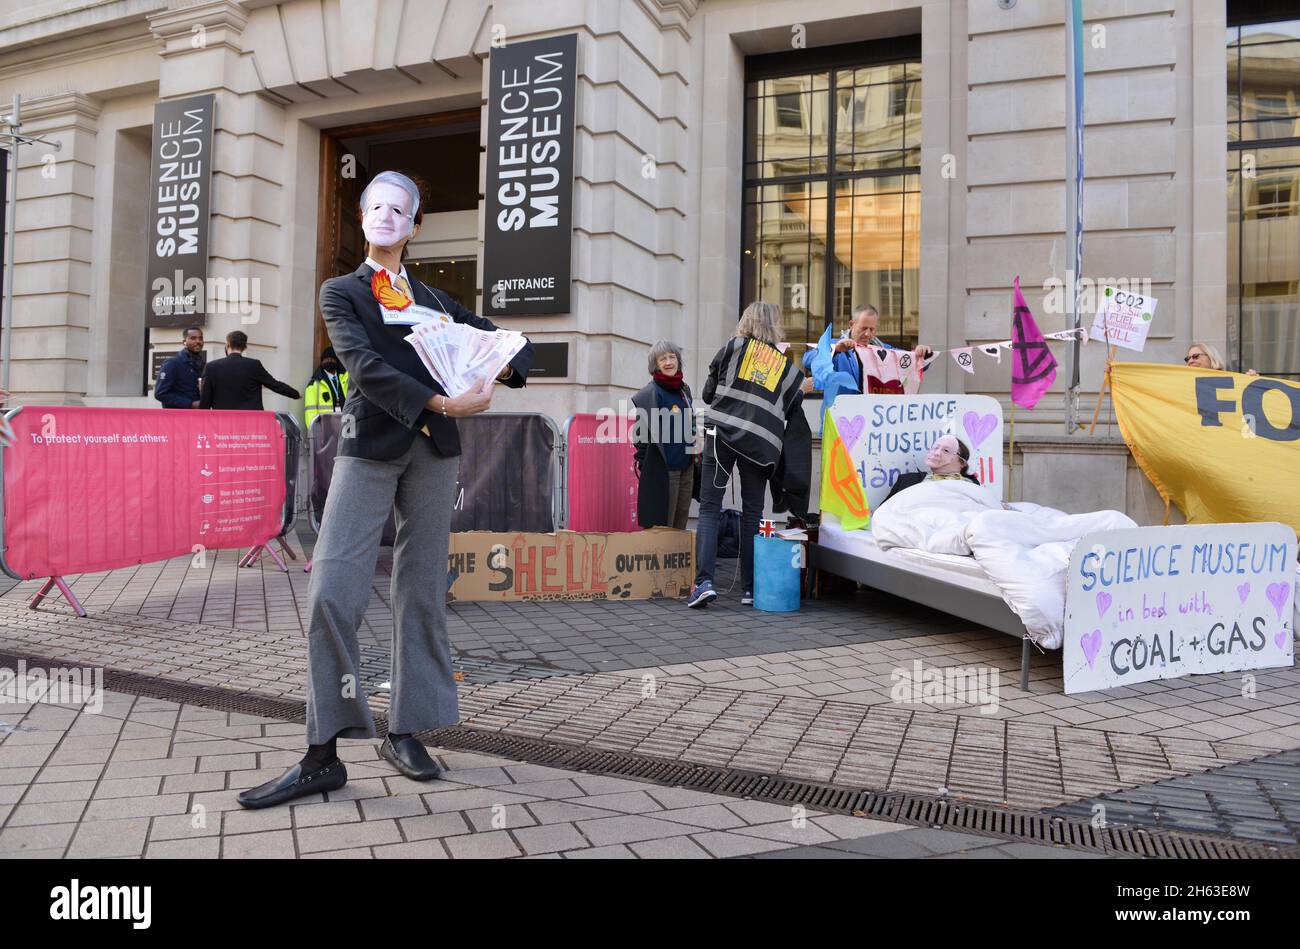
x,y
913,478
236,383
388,385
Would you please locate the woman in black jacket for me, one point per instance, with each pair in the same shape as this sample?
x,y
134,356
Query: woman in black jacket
x,y
752,392
664,435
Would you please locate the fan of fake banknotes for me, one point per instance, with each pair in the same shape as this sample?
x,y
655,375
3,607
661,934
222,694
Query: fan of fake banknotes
x,y
460,356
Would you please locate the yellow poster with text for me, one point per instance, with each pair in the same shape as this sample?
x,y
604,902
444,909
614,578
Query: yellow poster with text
x,y
1223,446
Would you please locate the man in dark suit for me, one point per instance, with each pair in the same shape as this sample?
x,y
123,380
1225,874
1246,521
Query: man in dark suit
x,y
399,449
236,382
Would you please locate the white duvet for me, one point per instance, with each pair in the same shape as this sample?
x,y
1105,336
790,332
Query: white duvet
x,y
1025,550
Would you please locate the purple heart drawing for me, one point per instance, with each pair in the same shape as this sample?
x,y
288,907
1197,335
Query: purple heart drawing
x,y
1091,643
851,430
978,427
1277,596
1280,638
1103,604
1243,591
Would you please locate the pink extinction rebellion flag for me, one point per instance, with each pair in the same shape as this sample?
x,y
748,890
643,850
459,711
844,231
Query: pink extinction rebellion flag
x,y
1033,367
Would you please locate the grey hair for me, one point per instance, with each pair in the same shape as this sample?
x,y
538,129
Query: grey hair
x,y
762,321
659,349
863,308
401,181
1216,360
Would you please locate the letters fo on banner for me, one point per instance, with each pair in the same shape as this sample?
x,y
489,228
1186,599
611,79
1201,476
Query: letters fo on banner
x,y
889,435
1163,602
1123,317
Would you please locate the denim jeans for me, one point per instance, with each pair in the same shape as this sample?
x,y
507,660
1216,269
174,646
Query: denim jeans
x,y
714,475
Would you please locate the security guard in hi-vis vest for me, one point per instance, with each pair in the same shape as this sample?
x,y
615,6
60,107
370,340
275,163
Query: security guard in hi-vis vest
x,y
327,389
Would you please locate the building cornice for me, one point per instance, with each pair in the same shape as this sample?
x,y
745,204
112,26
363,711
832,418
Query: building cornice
x,y
61,110
218,22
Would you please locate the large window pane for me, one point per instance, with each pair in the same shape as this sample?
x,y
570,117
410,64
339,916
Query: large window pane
x,y
785,253
1270,87
854,133
1264,197
1270,270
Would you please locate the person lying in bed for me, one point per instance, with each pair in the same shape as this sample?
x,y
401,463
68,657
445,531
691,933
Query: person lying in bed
x,y
948,460
1023,548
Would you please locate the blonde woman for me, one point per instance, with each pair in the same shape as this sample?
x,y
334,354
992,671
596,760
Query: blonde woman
x,y
752,391
1203,356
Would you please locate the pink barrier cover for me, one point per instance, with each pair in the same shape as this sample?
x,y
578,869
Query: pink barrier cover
x,y
91,489
602,484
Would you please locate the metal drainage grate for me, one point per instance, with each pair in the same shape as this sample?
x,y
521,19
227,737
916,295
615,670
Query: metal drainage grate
x,y
902,808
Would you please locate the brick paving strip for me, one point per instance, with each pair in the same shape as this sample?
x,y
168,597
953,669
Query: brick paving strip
x,y
150,778
1020,757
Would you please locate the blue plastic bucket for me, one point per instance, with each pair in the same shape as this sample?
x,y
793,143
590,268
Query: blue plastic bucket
x,y
776,574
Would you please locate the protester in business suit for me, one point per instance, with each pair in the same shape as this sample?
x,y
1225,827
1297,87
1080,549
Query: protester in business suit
x,y
948,459
404,450
236,382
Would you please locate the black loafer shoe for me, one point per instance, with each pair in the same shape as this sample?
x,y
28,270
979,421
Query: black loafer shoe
x,y
410,757
293,783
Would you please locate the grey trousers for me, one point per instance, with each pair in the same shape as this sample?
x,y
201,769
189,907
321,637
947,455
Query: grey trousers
x,y
422,485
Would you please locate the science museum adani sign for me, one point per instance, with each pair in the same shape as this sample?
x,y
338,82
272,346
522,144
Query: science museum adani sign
x,y
529,185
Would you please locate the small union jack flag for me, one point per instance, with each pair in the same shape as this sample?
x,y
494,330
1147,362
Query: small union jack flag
x,y
767,528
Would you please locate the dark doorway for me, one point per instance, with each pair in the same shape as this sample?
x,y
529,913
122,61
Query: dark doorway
x,y
441,152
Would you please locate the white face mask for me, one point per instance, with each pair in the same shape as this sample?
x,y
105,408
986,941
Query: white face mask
x,y
385,222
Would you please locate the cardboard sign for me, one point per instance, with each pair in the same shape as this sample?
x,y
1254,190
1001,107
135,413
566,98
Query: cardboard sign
x,y
568,565
889,435
1163,602
1123,318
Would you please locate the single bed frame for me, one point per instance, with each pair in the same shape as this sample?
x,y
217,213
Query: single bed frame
x,y
897,579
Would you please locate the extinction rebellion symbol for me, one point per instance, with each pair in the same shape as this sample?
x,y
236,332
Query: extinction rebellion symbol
x,y
1035,358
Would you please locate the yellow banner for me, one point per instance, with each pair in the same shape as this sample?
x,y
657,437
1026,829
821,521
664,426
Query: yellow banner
x,y
1223,446
841,490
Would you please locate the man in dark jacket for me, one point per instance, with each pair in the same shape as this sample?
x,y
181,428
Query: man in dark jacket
x,y
236,382
177,386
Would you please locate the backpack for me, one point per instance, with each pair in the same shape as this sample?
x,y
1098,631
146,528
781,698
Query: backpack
x,y
729,533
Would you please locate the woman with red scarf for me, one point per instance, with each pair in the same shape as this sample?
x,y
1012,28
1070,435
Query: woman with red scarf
x,y
664,436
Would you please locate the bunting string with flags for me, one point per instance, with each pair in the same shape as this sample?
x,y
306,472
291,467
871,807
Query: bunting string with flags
x,y
904,360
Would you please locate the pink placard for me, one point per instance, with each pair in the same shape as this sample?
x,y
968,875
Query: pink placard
x,y
91,489
602,483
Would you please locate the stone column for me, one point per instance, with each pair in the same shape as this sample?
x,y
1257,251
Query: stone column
x,y
202,52
52,264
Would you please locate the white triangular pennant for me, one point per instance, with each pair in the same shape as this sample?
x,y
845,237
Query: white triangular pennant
x,y
963,358
994,350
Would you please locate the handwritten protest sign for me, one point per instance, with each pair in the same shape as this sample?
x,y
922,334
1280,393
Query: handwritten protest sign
x,y
1162,602
1123,318
889,435
569,565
